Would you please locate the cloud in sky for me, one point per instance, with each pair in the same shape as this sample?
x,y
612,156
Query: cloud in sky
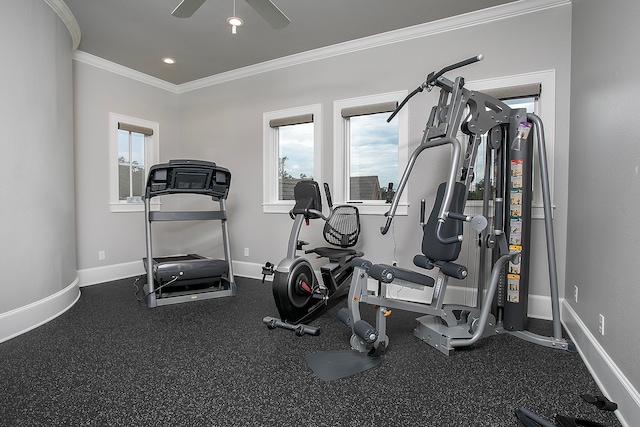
x,y
374,148
296,144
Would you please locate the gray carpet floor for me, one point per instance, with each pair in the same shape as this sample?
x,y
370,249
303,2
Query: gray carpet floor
x,y
110,361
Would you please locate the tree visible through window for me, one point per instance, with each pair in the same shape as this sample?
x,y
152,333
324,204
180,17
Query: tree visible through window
x,y
133,147
370,153
295,157
131,166
477,186
373,156
291,151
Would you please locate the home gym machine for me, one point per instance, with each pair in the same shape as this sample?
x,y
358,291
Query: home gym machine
x,y
300,297
191,277
501,306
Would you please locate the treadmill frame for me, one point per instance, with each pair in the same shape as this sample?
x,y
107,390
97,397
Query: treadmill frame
x,y
161,181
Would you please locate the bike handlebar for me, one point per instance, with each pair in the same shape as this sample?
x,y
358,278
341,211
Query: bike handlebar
x,y
432,77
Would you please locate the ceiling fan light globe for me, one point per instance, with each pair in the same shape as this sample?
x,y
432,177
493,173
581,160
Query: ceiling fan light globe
x,y
234,21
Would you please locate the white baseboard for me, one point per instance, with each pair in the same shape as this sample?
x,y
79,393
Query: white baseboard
x,y
93,276
24,319
539,306
250,270
613,383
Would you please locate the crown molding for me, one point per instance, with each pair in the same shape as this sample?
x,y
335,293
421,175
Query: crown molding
x,y
112,67
63,12
484,16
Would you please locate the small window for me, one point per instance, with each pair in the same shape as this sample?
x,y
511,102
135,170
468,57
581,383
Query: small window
x,y
370,153
133,148
131,167
291,152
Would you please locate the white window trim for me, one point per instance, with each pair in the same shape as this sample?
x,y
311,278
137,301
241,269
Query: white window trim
x,y
545,109
341,153
270,202
151,155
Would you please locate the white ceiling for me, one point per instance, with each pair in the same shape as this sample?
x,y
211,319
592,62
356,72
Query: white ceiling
x,y
138,33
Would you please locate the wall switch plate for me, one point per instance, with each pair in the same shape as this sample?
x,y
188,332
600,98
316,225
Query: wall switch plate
x,y
601,324
246,251
575,293
101,255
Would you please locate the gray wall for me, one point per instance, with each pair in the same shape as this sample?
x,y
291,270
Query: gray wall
x,y
223,123
97,93
604,176
38,251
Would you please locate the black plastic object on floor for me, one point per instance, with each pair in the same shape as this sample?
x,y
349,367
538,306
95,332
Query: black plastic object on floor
x,y
530,419
565,421
333,365
600,402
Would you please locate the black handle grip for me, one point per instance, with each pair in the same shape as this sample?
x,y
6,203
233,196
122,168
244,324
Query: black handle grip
x,y
432,77
385,229
327,192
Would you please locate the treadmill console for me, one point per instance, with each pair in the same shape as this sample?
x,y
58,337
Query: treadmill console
x,y
188,176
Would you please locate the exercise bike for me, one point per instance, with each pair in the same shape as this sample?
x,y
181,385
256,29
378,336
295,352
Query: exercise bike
x,y
300,297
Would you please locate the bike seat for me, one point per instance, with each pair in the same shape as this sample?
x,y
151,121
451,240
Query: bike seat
x,y
333,253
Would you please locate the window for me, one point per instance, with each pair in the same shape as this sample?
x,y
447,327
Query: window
x,y
542,105
133,147
369,153
476,190
291,152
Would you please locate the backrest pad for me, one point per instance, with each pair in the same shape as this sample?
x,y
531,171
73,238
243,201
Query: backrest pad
x,y
343,226
432,248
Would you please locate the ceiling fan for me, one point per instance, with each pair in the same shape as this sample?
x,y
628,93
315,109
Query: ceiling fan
x,y
265,8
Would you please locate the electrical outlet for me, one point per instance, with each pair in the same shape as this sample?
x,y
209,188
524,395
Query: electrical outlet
x,y
601,324
575,293
246,251
101,255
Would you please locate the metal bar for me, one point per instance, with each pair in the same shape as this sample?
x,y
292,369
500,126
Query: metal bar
x,y
227,249
188,215
548,225
151,293
486,308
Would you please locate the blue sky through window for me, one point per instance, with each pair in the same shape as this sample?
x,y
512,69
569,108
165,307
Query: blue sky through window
x,y
296,144
374,148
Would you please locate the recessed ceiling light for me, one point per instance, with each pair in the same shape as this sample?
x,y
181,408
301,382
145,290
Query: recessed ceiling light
x,y
169,61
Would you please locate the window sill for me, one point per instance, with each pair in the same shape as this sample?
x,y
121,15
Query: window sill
x,y
131,207
277,208
363,208
380,209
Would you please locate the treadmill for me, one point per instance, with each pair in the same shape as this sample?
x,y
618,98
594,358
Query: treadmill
x,y
191,277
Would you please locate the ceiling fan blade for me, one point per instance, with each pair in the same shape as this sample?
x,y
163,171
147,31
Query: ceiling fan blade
x,y
270,13
186,8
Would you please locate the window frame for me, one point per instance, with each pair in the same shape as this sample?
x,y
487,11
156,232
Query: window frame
x,y
270,155
545,108
341,135
151,156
